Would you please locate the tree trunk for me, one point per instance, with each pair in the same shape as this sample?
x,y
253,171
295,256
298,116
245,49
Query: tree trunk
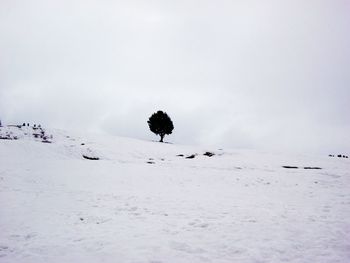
x,y
161,137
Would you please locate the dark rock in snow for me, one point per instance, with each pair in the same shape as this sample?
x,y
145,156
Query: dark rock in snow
x,y
209,154
90,158
5,138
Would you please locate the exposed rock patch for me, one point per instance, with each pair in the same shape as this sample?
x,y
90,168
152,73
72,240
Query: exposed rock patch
x,y
290,167
90,158
209,154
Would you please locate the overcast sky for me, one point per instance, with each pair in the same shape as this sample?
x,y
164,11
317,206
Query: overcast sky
x,y
270,74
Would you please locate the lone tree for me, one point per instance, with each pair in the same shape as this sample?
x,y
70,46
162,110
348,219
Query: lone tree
x,y
160,124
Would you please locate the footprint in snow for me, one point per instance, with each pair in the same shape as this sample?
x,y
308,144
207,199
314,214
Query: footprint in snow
x,y
185,248
199,224
3,248
23,237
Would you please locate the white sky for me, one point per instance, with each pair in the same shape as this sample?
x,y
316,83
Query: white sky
x,y
250,74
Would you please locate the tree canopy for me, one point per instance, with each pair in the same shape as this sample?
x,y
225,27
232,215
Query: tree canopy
x,y
160,124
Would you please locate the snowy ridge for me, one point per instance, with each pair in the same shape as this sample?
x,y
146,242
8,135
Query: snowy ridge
x,y
145,202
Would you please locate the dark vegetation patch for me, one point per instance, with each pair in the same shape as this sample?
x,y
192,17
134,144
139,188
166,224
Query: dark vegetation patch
x,y
37,132
339,155
36,135
192,156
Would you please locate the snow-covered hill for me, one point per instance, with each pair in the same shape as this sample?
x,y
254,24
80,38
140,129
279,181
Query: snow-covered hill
x,y
146,202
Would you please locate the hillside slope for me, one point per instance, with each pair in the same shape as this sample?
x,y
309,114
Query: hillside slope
x,y
145,202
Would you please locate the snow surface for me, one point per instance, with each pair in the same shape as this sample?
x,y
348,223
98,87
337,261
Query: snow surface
x,y
142,203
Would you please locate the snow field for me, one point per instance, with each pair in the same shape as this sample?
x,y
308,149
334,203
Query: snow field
x,y
237,206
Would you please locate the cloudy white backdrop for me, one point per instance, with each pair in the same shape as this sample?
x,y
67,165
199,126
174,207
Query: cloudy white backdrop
x,y
268,74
